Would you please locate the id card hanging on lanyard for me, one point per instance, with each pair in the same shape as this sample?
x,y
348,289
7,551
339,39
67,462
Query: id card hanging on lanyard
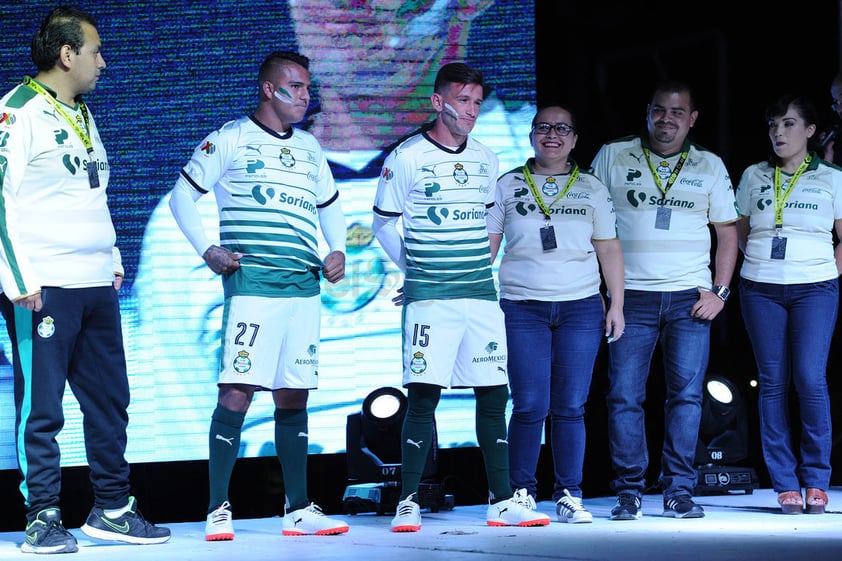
x,y
663,215
547,232
93,176
781,197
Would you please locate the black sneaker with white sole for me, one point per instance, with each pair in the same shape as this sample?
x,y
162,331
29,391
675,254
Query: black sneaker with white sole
x,y
682,506
628,507
46,534
130,527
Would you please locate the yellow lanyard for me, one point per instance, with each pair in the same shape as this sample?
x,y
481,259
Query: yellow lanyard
x,y
781,198
81,133
672,177
574,174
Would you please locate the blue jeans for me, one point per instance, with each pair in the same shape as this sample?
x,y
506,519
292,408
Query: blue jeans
x,y
790,328
552,350
685,345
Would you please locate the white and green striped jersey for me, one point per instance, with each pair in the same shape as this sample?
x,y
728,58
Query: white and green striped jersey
x,y
268,189
441,195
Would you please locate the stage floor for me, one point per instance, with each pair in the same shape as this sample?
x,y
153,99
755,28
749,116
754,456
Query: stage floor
x,y
735,528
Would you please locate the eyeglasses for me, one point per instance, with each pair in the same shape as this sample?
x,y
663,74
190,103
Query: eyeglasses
x,y
561,129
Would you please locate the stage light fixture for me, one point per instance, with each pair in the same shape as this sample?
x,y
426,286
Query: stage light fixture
x,y
373,456
723,441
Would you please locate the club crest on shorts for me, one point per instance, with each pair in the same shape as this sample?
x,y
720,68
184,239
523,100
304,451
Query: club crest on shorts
x,y
47,327
418,364
242,363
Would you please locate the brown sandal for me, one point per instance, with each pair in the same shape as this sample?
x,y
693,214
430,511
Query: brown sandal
x,y
790,502
816,501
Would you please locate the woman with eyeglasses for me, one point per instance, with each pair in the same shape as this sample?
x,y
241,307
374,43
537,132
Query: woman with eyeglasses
x,y
558,222
789,295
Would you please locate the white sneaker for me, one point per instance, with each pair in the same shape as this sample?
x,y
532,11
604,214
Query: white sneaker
x,y
570,509
408,516
310,521
517,511
219,526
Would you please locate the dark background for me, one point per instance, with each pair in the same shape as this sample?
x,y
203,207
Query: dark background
x,y
603,59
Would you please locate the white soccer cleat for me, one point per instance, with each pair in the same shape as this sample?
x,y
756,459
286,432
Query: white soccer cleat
x,y
408,516
219,526
311,521
517,511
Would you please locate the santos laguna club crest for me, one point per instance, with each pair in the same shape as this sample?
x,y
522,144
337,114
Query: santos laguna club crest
x,y
418,364
460,174
286,157
242,363
47,327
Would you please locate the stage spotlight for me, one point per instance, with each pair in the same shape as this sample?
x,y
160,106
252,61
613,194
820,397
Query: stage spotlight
x,y
373,454
723,441
381,421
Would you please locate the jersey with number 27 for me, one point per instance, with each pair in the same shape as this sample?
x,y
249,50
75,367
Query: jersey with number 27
x,y
268,188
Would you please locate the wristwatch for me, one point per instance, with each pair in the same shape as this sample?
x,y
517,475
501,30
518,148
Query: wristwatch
x,y
722,291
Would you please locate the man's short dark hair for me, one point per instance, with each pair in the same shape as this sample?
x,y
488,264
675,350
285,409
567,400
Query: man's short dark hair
x,y
457,73
62,26
676,86
279,58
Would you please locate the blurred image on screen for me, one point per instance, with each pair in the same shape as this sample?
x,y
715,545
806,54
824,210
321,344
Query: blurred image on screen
x,y
178,70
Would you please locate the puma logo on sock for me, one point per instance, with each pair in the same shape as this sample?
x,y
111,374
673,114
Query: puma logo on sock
x,y
230,441
416,444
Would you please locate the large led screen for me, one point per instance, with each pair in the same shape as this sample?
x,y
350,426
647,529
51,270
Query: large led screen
x,y
179,69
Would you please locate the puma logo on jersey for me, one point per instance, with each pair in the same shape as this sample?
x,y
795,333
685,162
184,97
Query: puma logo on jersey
x,y
416,444
230,441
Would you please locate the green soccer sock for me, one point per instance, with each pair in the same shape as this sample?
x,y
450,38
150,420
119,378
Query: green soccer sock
x,y
493,439
224,445
417,435
291,445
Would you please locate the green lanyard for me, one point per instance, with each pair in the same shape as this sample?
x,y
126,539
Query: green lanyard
x,y
781,198
672,177
81,133
574,174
